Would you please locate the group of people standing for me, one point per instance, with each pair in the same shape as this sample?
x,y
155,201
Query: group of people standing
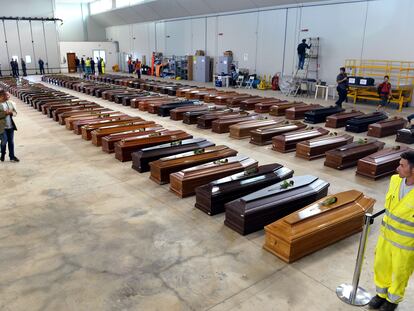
x,y
14,65
88,66
134,66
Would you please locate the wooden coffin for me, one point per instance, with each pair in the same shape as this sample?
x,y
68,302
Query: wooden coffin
x,y
211,197
263,136
135,102
360,124
108,142
264,107
184,183
79,112
211,98
405,136
177,114
154,105
194,94
99,133
280,108
339,119
316,148
142,158
250,103
190,117
242,130
348,155
252,212
125,147
69,122
381,163
126,100
298,112
162,168
164,110
319,115
222,99
287,142
54,111
235,102
62,104
317,225
182,91
96,123
205,121
222,125
387,127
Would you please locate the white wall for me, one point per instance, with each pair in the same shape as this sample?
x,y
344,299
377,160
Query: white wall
x,y
85,49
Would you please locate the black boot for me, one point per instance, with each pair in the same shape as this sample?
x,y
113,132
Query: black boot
x,y
2,157
388,306
376,302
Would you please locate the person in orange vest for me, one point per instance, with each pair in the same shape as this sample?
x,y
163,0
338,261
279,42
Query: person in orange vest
x,y
138,68
385,93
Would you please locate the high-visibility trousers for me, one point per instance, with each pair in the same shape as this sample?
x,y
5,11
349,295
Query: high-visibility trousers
x,y
393,267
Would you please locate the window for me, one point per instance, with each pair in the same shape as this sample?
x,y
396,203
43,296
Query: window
x,y
100,6
99,54
28,59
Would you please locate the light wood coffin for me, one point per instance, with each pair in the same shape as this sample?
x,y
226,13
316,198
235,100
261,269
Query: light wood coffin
x,y
348,155
387,127
252,212
85,127
211,197
125,147
298,112
242,130
339,119
162,168
142,158
80,112
184,183
287,142
316,148
222,125
317,225
381,163
263,136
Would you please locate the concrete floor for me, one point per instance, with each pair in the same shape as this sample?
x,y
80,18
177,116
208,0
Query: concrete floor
x,y
81,231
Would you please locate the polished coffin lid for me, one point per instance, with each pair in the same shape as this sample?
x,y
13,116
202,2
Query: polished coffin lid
x,y
317,225
242,129
367,119
222,124
211,197
142,158
298,111
339,119
178,113
279,109
69,121
267,105
386,127
405,136
236,100
381,163
314,148
165,109
206,120
287,142
253,211
263,135
108,141
78,125
319,114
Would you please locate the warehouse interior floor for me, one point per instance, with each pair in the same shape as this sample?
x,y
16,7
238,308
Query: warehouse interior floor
x,y
81,231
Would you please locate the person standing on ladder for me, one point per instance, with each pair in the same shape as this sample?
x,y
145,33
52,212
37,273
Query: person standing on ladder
x,y
394,255
302,53
342,88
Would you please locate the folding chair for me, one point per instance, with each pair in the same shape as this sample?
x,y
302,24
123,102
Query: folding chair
x,y
239,81
249,83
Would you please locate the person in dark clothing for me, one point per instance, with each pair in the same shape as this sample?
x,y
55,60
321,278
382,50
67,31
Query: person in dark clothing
x,y
99,65
82,64
342,88
41,66
385,92
302,53
24,67
16,68
77,63
92,66
1,75
13,68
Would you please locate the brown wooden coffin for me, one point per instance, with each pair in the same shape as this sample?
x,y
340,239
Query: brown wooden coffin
x,y
125,147
135,101
145,104
263,136
177,114
96,123
222,125
62,116
235,102
287,142
264,107
162,168
339,119
317,225
53,112
381,163
387,127
205,121
183,183
348,155
108,142
279,109
70,121
316,148
99,133
298,112
242,130
193,94
211,98
250,103
181,92
222,99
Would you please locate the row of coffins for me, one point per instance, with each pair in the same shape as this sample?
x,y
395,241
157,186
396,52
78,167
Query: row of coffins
x,y
297,213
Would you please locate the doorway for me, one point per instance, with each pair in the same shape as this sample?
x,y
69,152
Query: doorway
x,y
99,54
71,62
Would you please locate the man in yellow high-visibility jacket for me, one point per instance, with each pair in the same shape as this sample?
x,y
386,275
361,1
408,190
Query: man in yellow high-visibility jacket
x,y
394,256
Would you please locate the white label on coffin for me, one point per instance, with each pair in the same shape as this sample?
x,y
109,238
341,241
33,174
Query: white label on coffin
x,y
352,80
363,82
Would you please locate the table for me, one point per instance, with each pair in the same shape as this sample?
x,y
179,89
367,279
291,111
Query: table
x,y
326,89
225,79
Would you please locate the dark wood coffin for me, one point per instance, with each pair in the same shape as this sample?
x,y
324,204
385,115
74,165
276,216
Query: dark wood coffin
x,y
99,133
243,129
222,125
165,109
190,117
263,136
211,98
381,163
235,102
108,141
319,115
339,119
298,112
136,101
63,104
194,94
162,168
252,212
211,197
69,122
222,99
348,155
96,123
316,148
250,103
126,100
317,225
387,127
264,107
184,183
125,147
184,90
142,158
80,112
287,142
154,105
205,121
177,114
53,112
405,136
360,124
279,109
